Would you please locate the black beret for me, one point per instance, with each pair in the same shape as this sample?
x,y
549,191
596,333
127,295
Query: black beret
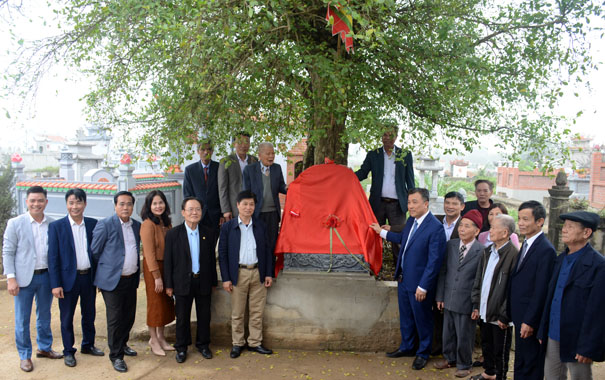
x,y
587,219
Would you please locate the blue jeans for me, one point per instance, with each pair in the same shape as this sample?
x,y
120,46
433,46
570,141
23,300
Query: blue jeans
x,y
40,289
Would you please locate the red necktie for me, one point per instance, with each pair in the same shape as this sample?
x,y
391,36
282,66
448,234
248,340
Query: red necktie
x,y
205,174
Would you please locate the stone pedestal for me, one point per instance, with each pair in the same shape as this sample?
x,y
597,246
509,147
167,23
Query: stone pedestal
x,y
559,202
66,162
431,165
126,181
305,262
18,167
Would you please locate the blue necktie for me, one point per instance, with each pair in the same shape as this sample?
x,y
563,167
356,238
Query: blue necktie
x,y
414,228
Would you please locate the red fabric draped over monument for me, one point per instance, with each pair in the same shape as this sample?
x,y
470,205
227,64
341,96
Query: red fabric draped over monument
x,y
323,195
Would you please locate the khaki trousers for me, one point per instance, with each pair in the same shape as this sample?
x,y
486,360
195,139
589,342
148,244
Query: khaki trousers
x,y
555,369
250,289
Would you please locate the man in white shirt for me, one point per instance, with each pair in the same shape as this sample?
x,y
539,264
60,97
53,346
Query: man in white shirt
x,y
392,172
72,273
115,252
25,259
246,264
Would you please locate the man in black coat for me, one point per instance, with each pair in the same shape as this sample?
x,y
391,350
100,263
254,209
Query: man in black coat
x,y
392,177
572,325
201,182
528,287
190,274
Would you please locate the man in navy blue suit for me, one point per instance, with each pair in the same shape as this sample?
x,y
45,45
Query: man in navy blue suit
x,y
116,241
201,182
392,176
418,264
528,286
246,271
572,325
71,272
265,179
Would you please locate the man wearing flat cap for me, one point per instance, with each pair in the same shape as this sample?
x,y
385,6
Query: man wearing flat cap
x,y
573,323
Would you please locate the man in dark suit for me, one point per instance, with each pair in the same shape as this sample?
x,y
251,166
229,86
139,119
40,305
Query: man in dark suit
x,y
453,204
115,253
418,265
201,182
454,295
71,271
572,325
484,189
230,173
246,265
266,181
528,287
190,274
392,176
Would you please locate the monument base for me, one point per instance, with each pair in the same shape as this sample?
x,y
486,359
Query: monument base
x,y
306,262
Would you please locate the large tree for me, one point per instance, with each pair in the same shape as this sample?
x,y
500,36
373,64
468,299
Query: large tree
x,y
447,71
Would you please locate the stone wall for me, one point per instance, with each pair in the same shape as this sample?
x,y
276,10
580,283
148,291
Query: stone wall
x,y
321,311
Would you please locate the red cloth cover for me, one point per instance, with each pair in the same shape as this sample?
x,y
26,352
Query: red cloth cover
x,y
321,196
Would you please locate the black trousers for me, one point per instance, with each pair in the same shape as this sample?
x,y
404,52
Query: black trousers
x,y
182,310
271,220
529,357
495,344
392,212
84,290
121,307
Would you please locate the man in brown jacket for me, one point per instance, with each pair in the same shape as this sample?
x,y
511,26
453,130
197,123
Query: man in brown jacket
x,y
489,298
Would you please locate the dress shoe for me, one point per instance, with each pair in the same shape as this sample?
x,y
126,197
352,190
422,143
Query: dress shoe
x,y
205,351
166,346
181,356
236,351
444,364
129,351
119,365
419,363
261,350
92,350
26,365
48,354
462,373
156,348
399,354
69,360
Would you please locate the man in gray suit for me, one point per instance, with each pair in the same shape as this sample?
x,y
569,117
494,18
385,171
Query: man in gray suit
x,y
454,295
25,259
230,172
115,252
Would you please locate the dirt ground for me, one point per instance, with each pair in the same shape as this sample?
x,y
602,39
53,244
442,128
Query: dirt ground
x,y
284,364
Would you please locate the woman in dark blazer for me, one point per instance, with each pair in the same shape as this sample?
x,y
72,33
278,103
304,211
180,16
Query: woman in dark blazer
x,y
160,308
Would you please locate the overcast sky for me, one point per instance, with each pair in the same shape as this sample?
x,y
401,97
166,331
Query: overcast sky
x,y
58,111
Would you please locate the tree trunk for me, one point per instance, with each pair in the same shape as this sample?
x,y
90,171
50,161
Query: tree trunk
x,y
328,129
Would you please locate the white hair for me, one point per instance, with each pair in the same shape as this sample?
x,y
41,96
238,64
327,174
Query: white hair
x,y
507,222
264,145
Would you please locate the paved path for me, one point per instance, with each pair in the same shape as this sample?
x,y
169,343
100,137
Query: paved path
x,y
284,364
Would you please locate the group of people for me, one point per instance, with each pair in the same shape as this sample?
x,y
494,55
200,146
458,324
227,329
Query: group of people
x,y
476,272
454,272
70,258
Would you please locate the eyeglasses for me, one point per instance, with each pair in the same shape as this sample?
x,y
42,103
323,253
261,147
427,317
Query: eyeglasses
x,y
193,209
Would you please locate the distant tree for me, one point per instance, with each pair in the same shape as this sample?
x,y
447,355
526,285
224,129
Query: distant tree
x,y
448,71
7,201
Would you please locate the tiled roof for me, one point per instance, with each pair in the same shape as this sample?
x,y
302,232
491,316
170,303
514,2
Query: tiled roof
x,y
147,176
97,188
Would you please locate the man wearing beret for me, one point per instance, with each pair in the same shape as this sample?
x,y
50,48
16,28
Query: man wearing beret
x,y
454,294
573,325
